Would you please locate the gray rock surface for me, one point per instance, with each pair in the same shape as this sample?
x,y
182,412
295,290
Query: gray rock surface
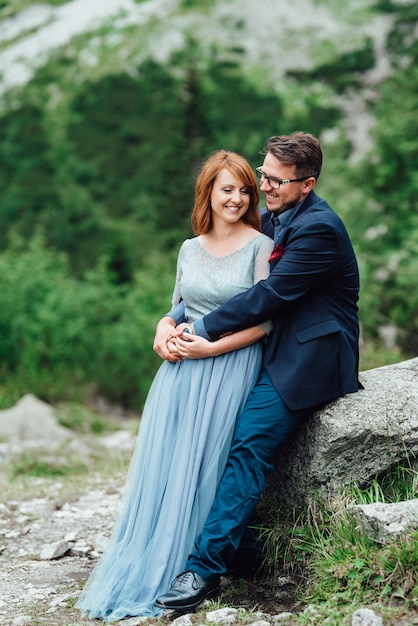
x,y
54,550
385,521
354,438
366,617
31,419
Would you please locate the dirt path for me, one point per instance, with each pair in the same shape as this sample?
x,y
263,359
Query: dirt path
x,y
35,586
36,589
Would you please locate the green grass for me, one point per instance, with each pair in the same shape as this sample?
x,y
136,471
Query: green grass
x,y
339,567
397,484
46,466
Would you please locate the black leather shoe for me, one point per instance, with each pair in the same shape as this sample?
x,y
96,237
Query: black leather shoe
x,y
188,590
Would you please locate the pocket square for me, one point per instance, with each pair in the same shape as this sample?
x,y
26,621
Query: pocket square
x,y
277,253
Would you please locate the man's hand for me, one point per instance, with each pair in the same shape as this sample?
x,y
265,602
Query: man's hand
x,y
165,330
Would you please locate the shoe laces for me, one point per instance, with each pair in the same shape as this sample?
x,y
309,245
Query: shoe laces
x,y
183,578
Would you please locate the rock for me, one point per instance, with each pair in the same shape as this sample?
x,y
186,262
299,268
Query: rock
x,y
54,550
62,600
81,548
282,617
34,507
285,588
31,419
383,522
21,620
366,617
311,611
352,439
183,620
100,543
222,616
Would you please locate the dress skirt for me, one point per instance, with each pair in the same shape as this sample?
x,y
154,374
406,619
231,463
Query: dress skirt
x,y
180,454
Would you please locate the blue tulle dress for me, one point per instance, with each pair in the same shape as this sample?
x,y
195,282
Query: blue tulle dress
x,y
182,445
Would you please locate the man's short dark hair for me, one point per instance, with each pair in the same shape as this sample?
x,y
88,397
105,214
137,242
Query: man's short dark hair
x,y
300,149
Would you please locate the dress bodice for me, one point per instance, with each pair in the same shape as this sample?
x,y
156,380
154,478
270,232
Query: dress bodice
x,y
205,282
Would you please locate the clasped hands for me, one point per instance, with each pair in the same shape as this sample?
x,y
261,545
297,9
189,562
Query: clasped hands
x,y
170,345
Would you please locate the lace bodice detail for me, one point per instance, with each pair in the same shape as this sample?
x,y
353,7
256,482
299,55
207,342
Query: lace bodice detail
x,y
205,281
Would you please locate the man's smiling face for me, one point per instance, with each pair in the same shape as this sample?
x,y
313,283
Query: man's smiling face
x,y
289,194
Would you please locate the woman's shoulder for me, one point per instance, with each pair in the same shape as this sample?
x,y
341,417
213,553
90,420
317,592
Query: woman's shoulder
x,y
264,237
189,249
260,239
189,243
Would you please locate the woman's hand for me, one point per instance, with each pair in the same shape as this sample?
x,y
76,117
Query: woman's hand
x,y
194,347
171,342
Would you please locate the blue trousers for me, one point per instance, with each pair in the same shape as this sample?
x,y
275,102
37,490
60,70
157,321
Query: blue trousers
x,y
263,424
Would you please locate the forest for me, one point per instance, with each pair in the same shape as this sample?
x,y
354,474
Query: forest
x,y
97,169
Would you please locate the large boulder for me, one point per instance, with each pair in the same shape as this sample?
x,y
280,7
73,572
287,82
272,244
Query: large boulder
x,y
352,439
31,419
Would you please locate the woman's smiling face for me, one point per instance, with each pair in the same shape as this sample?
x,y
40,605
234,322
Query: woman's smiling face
x,y
230,197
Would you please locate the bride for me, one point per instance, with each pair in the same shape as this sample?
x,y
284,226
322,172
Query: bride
x,y
192,405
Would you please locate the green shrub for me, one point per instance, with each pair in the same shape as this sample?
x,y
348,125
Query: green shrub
x,y
61,337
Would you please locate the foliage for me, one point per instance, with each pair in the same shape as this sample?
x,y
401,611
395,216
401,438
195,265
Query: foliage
x,y
107,176
391,242
59,335
131,137
345,567
196,4
104,165
343,72
48,320
25,175
125,353
376,354
340,567
111,170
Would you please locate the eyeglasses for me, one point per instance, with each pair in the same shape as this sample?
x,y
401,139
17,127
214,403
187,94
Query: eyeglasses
x,y
275,182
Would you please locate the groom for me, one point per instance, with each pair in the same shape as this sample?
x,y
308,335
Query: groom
x,y
310,358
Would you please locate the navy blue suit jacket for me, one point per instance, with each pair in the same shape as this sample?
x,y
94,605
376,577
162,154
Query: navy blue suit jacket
x,y
311,295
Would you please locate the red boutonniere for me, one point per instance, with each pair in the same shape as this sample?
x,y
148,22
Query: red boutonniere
x,y
277,253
